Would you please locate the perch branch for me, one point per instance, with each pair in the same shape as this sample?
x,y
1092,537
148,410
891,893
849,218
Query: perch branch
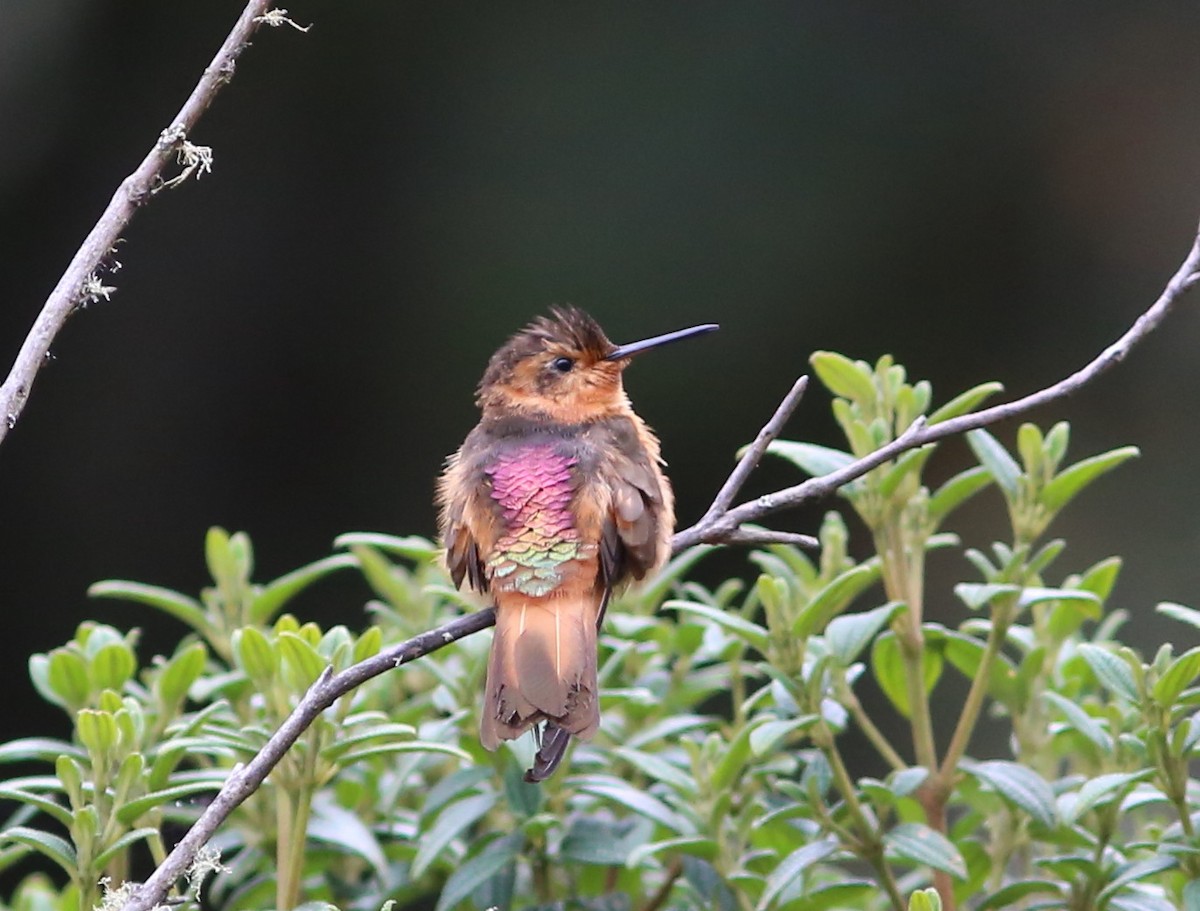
x,y
720,525
245,780
81,284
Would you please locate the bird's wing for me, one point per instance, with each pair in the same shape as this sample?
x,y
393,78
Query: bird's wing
x,y
458,496
631,540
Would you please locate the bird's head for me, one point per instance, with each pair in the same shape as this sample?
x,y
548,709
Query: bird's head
x,y
563,366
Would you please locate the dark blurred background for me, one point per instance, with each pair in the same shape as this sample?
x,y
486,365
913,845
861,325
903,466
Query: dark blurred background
x,y
988,191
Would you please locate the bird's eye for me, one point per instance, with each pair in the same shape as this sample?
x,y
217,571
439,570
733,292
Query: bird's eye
x,y
562,364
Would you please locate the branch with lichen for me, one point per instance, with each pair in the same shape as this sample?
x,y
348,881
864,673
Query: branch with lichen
x,y
83,282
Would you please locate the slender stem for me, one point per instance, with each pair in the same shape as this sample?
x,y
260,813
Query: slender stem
x,y
870,842
973,704
845,696
663,892
285,833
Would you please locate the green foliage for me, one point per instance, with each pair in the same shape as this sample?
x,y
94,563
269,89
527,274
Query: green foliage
x,y
719,778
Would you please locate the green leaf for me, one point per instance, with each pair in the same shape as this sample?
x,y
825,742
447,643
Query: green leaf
x,y
766,736
620,792
966,654
606,842
1011,894
834,598
97,731
1111,671
847,635
843,376
995,458
1135,871
750,633
274,595
1187,615
131,811
1083,599
793,866
413,547
112,666
222,557
341,828
353,737
659,769
479,869
672,573
129,838
383,576
911,462
691,846
68,677
965,402
301,665
1029,446
45,804
255,655
1063,488
888,666
733,761
1101,790
177,605
54,847
1177,678
957,491
407,746
45,749
917,842
1017,784
925,900
177,676
1081,721
368,644
815,460
1191,896
1100,579
976,595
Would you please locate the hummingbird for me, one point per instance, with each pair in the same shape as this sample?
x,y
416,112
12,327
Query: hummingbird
x,y
556,499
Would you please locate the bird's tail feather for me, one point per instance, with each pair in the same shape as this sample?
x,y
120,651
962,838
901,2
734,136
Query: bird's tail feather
x,y
542,668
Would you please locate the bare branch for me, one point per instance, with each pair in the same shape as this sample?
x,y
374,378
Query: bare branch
x,y
81,283
245,780
717,526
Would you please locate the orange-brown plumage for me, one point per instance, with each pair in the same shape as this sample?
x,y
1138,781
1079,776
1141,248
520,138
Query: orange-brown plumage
x,y
554,499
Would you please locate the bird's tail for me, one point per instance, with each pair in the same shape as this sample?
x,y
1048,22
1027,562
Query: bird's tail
x,y
542,668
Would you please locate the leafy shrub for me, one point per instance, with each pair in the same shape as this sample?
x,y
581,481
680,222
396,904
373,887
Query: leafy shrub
x,y
718,780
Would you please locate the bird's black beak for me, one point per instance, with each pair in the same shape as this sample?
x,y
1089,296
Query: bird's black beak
x,y
624,351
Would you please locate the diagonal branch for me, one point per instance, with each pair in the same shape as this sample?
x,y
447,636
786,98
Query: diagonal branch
x,y
716,527
81,284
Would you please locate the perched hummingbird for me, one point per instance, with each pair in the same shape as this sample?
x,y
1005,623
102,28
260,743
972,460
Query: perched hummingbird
x,y
555,499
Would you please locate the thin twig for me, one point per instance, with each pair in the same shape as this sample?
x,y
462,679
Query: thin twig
x,y
81,283
718,526
659,898
754,453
